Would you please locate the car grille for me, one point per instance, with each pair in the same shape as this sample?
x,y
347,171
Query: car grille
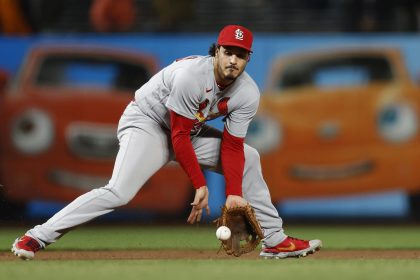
x,y
92,141
332,172
84,182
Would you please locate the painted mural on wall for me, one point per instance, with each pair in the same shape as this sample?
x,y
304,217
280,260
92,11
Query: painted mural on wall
x,y
337,116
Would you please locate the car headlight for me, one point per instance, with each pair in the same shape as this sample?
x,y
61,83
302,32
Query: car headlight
x,y
397,122
32,132
264,134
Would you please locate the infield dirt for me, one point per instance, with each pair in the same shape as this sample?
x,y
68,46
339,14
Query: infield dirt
x,y
207,254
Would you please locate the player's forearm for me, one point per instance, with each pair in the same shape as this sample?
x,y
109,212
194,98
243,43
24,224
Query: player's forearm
x,y
183,149
233,161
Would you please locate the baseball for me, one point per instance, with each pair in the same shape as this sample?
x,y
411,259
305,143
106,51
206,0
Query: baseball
x,y
223,233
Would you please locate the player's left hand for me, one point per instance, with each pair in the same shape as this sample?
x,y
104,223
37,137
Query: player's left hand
x,y
201,201
235,201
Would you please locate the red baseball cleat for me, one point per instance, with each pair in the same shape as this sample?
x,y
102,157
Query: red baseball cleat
x,y
26,247
291,247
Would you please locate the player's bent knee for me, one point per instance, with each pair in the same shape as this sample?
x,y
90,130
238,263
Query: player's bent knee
x,y
252,156
117,198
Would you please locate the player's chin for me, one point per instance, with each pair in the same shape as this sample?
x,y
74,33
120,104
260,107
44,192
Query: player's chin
x,y
231,76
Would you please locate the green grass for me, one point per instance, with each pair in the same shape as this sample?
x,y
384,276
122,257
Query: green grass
x,y
212,269
202,237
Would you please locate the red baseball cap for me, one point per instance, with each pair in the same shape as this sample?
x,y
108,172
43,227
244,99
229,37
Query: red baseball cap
x,y
235,35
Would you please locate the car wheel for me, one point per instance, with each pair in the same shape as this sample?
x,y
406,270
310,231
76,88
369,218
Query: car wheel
x,y
414,204
11,211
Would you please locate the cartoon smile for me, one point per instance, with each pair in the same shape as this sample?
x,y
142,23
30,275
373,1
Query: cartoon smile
x,y
330,172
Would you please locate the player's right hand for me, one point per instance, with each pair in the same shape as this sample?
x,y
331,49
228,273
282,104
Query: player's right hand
x,y
201,201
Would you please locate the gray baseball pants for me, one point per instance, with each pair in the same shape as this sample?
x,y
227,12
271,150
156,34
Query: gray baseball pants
x,y
145,148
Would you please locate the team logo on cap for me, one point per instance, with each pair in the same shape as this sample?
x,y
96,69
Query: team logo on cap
x,y
239,34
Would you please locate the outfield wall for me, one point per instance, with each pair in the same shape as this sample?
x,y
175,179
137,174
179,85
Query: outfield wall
x,y
267,47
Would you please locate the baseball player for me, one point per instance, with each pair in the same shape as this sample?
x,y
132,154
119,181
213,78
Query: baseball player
x,y
166,121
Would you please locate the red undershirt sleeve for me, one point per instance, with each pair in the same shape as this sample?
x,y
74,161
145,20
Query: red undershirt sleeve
x,y
183,149
233,161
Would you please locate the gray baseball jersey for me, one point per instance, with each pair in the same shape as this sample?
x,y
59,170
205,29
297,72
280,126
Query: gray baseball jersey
x,y
188,88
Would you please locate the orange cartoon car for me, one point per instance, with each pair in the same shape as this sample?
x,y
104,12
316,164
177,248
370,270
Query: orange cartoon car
x,y
339,122
59,120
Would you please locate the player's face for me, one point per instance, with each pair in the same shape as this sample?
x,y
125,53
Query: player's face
x,y
230,62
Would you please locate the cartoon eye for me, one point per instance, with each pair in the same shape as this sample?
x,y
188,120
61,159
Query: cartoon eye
x,y
32,132
264,134
397,122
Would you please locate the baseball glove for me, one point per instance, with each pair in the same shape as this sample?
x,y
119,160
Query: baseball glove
x,y
246,232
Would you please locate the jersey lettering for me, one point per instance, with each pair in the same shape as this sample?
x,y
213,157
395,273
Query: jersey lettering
x,y
222,109
222,105
200,116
